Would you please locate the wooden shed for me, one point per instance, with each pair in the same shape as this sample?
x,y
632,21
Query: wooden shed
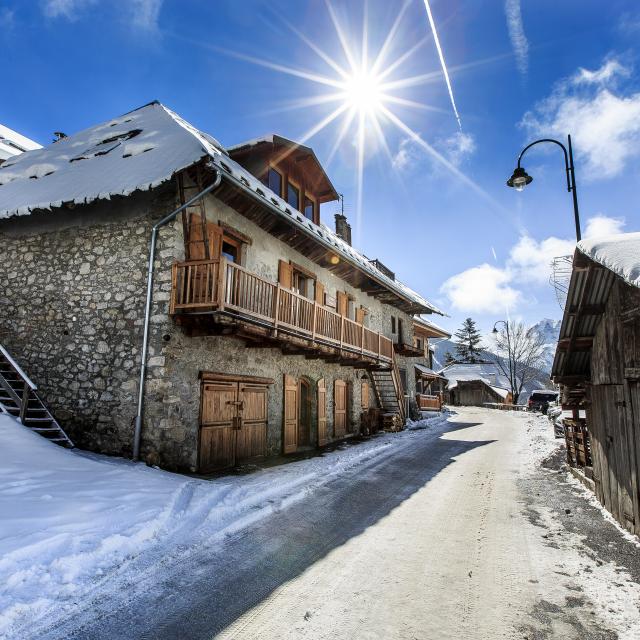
x,y
597,362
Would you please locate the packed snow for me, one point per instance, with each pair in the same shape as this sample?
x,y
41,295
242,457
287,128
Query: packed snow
x,y
72,520
619,253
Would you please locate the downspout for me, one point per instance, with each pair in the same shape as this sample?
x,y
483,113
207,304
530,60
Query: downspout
x,y
147,311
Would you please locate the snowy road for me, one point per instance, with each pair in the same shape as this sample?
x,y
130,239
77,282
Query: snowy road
x,y
462,535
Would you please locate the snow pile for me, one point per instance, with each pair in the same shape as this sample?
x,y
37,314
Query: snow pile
x,y
619,253
432,421
74,523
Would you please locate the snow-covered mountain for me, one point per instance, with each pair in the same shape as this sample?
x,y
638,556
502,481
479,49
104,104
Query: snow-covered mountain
x,y
549,331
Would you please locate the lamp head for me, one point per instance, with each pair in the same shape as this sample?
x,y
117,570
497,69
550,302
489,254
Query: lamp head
x,y
519,179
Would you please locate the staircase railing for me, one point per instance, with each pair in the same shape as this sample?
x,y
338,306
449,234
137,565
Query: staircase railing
x,y
399,389
28,385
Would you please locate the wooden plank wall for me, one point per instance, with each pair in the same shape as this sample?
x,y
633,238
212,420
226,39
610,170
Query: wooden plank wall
x,y
613,411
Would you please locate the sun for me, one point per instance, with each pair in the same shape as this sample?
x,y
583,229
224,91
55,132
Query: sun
x,y
363,92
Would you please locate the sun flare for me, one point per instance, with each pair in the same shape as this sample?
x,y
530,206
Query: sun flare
x,y
363,92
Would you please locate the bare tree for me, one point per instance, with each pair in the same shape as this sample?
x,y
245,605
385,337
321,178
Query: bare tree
x,y
519,352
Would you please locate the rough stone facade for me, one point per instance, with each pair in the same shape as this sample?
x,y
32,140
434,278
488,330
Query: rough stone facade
x,y
72,311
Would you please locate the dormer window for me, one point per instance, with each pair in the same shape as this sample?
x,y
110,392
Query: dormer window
x,y
309,208
293,196
274,181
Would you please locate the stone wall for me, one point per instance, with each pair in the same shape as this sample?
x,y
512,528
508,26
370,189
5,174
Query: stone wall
x,y
72,313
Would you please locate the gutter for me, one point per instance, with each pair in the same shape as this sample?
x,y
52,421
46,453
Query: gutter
x,y
147,311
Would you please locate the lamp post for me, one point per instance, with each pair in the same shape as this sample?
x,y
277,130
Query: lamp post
x,y
520,178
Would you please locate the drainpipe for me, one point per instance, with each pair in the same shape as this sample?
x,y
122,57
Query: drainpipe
x,y
147,310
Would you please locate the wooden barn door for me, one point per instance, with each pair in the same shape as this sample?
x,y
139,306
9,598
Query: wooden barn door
x,y
218,421
322,413
251,437
340,408
233,423
290,415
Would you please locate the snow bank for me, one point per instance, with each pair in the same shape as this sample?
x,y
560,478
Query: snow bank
x,y
73,521
619,253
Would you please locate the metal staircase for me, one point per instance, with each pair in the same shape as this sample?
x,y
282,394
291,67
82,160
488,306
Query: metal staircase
x,y
389,391
18,398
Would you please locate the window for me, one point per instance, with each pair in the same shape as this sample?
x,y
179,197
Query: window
x,y
309,208
393,324
274,181
231,249
293,196
302,284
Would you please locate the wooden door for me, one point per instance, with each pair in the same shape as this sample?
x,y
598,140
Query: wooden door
x,y
290,415
251,437
304,416
218,421
322,413
339,408
364,395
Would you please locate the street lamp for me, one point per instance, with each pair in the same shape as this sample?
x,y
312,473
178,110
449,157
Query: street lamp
x,y
506,325
520,178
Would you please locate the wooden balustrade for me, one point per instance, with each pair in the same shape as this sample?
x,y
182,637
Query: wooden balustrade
x,y
219,284
428,402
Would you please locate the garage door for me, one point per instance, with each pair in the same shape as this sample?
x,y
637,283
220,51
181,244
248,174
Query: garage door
x,y
233,421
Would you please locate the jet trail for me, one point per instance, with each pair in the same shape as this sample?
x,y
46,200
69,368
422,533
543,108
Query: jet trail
x,y
442,62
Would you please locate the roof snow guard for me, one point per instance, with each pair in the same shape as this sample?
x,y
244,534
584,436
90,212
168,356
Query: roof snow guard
x,y
139,151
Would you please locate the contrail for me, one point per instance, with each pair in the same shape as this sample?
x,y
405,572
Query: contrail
x,y
442,62
517,36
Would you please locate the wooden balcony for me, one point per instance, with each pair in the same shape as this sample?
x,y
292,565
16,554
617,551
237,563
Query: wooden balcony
x,y
206,294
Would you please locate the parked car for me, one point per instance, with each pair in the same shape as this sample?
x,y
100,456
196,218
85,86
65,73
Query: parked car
x,y
539,400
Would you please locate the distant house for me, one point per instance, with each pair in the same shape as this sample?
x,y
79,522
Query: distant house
x,y
268,332
597,364
476,385
430,385
12,143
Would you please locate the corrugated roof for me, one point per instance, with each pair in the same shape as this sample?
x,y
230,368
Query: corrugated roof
x,y
139,151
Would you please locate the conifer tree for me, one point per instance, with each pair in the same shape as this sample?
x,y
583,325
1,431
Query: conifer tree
x,y
468,342
448,358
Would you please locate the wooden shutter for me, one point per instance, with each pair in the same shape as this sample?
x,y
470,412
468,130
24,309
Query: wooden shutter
x,y
339,408
194,244
322,413
285,274
360,314
364,395
319,292
290,415
342,304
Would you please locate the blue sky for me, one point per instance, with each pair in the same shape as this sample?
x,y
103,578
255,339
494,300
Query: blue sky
x,y
452,230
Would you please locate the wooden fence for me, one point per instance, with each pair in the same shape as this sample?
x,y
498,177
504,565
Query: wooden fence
x,y
578,443
427,402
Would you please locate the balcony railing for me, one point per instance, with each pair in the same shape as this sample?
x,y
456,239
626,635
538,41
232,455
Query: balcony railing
x,y
427,402
219,285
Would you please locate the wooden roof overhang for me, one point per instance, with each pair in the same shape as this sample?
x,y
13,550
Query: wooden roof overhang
x,y
281,149
314,242
424,331
587,295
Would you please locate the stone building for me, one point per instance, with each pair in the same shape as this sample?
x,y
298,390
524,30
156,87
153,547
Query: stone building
x,y
268,332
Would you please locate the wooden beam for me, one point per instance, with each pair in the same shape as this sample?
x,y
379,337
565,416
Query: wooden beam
x,y
582,343
587,310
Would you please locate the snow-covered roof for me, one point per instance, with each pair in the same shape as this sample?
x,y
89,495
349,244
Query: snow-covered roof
x,y
488,373
12,143
139,151
427,371
431,326
503,393
619,253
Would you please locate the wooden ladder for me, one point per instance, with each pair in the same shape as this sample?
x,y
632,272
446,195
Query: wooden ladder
x,y
194,216
18,398
388,389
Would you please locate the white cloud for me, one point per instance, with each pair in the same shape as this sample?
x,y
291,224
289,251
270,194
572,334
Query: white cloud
x,y
141,14
530,260
605,74
145,13
68,9
481,289
486,288
604,122
456,148
601,225
517,36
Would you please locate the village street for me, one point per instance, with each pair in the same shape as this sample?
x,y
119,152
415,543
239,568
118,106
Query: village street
x,y
465,534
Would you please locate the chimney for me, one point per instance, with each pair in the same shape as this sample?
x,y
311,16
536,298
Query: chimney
x,y
343,228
